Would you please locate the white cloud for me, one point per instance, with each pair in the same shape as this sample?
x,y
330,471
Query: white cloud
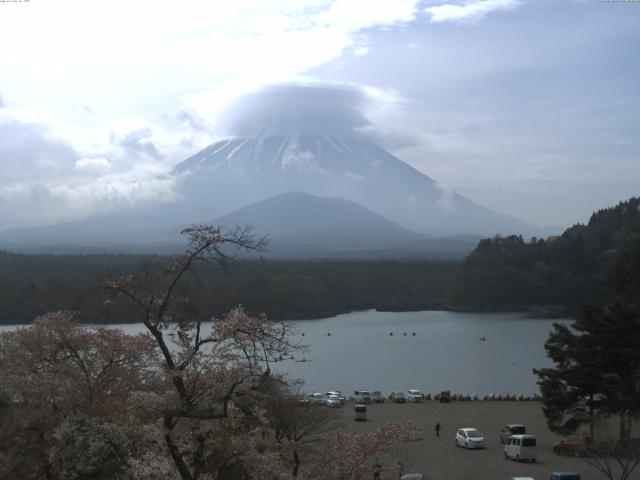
x,y
121,82
56,171
223,41
93,165
468,11
40,202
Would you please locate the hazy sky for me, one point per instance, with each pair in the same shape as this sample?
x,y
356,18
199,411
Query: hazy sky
x,y
528,107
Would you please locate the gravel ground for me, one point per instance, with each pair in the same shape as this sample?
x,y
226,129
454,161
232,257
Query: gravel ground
x,y
440,459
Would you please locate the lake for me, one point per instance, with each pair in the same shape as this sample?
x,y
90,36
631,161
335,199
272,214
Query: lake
x,y
355,351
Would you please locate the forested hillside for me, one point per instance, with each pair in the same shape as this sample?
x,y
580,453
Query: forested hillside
x,y
34,284
553,276
567,271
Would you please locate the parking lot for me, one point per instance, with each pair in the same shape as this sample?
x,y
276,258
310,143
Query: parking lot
x,y
440,459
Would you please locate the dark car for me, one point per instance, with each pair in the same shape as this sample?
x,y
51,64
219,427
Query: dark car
x,y
511,429
565,476
445,396
398,397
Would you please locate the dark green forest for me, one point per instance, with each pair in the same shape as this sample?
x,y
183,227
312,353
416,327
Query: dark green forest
x,y
556,275
548,277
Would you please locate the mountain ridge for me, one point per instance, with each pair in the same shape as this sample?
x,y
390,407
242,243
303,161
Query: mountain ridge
x,y
299,226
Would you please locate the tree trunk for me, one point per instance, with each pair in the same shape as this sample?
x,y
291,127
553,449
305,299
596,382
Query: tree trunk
x,y
296,463
592,426
174,451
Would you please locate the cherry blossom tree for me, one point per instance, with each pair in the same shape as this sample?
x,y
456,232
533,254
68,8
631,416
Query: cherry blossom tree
x,y
54,371
296,422
216,371
341,455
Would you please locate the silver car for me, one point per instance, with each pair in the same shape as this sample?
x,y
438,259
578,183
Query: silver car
x,y
469,438
397,397
415,396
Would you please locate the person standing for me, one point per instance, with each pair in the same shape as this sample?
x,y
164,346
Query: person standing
x,y
377,470
437,428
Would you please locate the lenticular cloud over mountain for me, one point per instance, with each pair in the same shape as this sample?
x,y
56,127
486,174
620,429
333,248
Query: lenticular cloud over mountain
x,y
309,138
288,110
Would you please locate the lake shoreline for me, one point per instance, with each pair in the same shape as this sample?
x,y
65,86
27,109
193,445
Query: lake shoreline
x,y
533,312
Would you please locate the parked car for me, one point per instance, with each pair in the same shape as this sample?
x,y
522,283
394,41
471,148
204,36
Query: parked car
x,y
565,476
338,394
376,397
317,398
362,396
511,429
415,396
397,397
445,396
521,448
574,445
413,476
469,438
333,401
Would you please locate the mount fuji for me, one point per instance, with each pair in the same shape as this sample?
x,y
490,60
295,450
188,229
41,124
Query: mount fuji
x,y
350,193
314,195
238,171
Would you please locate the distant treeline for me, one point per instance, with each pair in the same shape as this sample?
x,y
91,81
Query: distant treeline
x,y
548,276
31,285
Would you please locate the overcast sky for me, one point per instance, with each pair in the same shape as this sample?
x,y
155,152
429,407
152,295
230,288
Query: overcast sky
x,y
528,107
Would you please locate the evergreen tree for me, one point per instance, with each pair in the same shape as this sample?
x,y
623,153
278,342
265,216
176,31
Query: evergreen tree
x,y
597,369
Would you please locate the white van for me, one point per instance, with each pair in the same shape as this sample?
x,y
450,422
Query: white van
x,y
362,396
521,447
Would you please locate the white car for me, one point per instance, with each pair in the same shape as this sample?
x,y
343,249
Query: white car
x,y
469,438
362,396
376,397
333,401
415,396
337,394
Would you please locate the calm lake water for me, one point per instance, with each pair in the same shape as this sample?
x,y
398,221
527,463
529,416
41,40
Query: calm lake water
x,y
446,353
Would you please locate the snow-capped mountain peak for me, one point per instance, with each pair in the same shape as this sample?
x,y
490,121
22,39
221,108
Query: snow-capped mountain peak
x,y
237,171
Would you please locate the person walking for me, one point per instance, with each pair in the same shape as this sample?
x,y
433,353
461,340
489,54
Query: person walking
x,y
437,428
